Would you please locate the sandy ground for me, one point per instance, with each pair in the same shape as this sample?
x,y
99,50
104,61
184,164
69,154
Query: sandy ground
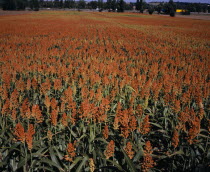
x,y
196,16
201,16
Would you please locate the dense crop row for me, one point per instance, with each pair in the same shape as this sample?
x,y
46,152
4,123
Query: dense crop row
x,y
98,91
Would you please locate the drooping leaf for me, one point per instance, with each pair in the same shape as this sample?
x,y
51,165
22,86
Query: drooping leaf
x,y
54,158
129,161
82,164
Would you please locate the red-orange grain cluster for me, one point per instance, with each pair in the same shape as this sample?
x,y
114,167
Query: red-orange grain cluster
x,y
104,69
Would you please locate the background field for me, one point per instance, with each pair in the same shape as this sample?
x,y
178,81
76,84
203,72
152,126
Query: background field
x,y
83,91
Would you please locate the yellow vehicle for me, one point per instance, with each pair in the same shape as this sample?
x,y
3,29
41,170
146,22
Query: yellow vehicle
x,y
182,11
179,10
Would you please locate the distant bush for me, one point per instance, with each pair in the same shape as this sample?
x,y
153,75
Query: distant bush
x,y
151,10
186,12
172,13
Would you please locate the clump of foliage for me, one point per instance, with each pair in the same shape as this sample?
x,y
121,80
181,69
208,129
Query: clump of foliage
x,y
151,10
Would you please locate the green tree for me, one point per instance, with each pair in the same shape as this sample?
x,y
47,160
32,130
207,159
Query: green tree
x,y
81,4
73,4
141,6
151,9
191,7
159,7
113,5
13,4
100,4
109,4
198,7
21,4
93,4
56,3
61,4
172,8
204,8
128,6
34,5
169,8
121,6
66,4
9,5
137,5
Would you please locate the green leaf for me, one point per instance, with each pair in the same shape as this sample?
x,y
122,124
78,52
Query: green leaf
x,y
113,107
11,150
102,140
203,130
34,164
82,164
115,164
77,159
92,135
43,168
73,133
13,164
180,152
157,125
38,142
201,147
2,164
108,168
201,135
54,158
51,163
208,154
84,135
130,88
23,161
160,157
60,155
40,152
139,154
128,160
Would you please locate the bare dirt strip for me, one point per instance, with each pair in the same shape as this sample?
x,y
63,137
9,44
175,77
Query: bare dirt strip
x,y
196,16
3,13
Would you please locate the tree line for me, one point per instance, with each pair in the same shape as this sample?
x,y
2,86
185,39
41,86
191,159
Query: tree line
x,y
111,5
19,4
36,4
